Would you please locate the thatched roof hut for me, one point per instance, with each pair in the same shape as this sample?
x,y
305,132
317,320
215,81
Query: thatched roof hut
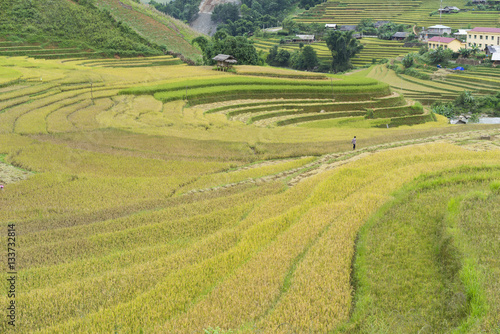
x,y
224,61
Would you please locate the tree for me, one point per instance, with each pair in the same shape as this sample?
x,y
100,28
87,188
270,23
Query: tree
x,y
367,27
466,101
278,58
408,60
226,12
465,53
271,57
308,59
343,47
282,58
387,30
240,47
439,55
474,49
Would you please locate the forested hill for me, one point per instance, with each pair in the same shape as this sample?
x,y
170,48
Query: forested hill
x,y
97,26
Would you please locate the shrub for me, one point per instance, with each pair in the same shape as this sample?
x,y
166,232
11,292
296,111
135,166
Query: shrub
x,y
408,60
495,187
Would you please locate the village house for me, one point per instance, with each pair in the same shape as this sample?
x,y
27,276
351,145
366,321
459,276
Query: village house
x,y
330,26
490,50
303,39
449,10
437,30
348,27
445,42
399,36
495,58
461,34
224,61
494,53
483,37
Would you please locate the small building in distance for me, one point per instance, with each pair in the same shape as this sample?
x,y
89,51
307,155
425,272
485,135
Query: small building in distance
x,y
495,58
224,61
483,37
330,26
449,10
348,27
378,24
303,39
445,42
462,34
490,50
399,36
437,30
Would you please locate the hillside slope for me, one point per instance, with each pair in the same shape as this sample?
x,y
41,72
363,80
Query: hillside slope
x,y
65,24
154,26
89,28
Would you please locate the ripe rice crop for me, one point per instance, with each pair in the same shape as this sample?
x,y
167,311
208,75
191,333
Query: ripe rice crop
x,y
139,215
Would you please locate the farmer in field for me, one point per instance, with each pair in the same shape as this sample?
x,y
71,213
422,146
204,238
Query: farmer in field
x,y
354,143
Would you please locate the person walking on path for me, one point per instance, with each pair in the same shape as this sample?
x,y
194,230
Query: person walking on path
x,y
354,143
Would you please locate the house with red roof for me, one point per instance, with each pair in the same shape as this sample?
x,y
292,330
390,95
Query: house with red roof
x,y
483,37
445,42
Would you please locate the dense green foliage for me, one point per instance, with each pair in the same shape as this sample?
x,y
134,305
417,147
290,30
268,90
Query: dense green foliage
x,y
306,4
343,47
439,55
71,24
225,12
467,102
304,59
271,7
239,47
387,30
251,20
278,57
180,9
408,60
255,15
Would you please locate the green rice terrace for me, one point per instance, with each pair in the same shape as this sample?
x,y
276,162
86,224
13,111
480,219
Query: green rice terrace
x,y
407,12
442,85
45,51
373,49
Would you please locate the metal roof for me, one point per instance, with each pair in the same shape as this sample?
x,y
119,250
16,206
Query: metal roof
x,y
442,39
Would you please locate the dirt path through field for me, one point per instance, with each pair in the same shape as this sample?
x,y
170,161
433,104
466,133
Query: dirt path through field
x,y
481,140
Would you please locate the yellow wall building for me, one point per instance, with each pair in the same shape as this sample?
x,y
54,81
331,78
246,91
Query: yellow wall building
x,y
483,37
445,42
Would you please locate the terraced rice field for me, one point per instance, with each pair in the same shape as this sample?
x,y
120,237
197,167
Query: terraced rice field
x,y
373,49
407,12
160,215
10,49
445,86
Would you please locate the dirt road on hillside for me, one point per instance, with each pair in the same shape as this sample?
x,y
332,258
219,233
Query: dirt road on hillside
x,y
203,23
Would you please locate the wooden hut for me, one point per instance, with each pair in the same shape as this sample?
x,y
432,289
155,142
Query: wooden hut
x,y
399,36
224,61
